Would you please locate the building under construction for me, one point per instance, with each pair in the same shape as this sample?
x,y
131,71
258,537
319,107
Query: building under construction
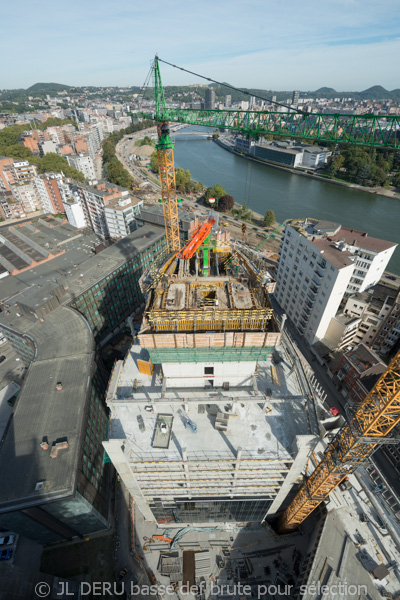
x,y
205,427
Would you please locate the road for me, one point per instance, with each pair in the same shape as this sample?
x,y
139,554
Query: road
x,y
334,397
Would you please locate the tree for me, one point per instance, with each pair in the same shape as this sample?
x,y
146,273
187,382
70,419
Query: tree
x,y
269,218
226,203
378,176
363,173
154,162
217,191
396,180
183,180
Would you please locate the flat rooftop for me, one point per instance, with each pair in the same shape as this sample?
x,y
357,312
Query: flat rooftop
x,y
65,354
264,423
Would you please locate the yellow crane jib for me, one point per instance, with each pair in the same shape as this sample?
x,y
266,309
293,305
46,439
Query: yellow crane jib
x,y
370,425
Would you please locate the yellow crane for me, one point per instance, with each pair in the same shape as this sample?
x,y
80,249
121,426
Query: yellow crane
x,y
369,427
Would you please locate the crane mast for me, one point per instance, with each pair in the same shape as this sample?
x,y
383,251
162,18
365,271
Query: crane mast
x,y
165,158
369,427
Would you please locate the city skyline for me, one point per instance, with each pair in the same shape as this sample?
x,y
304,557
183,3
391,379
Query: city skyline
x,y
346,46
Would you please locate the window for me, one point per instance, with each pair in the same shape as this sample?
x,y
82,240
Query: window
x,y
208,370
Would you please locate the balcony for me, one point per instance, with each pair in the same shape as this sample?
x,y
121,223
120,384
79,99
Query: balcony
x,y
313,289
316,283
318,275
307,311
312,298
322,265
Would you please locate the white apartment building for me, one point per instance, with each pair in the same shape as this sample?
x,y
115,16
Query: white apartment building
x,y
95,199
92,203
121,216
321,263
74,213
84,164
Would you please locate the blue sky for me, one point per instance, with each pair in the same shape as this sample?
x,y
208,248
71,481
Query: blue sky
x,y
349,45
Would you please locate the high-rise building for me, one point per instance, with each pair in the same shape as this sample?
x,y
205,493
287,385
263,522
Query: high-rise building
x,y
209,99
228,101
320,263
198,442
295,98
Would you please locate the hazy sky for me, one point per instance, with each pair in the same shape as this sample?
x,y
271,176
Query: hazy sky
x,y
349,45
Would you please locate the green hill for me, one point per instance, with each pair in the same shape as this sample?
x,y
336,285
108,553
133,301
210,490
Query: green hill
x,y
48,87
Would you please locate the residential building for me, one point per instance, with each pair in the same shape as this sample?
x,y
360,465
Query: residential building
x,y
228,101
312,277
387,338
47,147
84,164
358,372
363,317
27,194
295,98
121,215
74,213
50,188
95,198
209,103
320,264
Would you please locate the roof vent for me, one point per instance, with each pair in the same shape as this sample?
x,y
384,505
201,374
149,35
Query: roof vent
x,y
57,446
59,386
44,444
39,486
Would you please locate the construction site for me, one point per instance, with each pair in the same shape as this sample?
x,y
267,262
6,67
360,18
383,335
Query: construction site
x,y
243,480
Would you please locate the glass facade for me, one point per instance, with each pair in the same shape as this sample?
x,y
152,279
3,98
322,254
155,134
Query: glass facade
x,y
210,510
114,298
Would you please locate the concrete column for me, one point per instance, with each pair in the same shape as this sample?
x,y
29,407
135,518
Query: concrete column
x,y
186,470
119,459
303,446
284,317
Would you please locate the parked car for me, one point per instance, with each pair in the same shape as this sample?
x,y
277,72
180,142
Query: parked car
x,y
364,518
5,554
7,540
2,358
334,411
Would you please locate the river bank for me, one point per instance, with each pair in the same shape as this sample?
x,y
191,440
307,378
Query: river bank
x,y
378,191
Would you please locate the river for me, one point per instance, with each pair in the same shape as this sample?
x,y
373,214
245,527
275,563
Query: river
x,y
288,195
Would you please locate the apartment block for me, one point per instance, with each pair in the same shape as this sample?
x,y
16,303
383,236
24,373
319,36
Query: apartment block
x,y
387,338
320,264
51,189
84,164
27,194
74,213
94,199
312,277
121,215
358,372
